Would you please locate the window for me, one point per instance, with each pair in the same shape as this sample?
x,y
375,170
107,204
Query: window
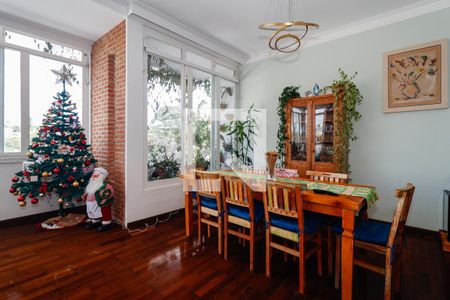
x,y
11,100
184,94
27,85
164,128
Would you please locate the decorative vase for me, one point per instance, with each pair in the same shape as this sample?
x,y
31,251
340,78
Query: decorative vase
x,y
271,160
410,91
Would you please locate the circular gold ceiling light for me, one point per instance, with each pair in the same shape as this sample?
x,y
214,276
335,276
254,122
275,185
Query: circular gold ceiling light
x,y
287,36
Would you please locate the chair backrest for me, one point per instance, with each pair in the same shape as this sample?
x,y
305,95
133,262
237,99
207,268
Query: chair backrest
x,y
236,192
285,200
329,177
405,196
208,184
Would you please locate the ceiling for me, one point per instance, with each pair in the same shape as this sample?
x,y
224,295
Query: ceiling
x,y
235,22
231,22
83,18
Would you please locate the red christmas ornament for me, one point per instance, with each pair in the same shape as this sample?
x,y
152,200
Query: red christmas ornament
x,y
12,190
87,162
72,149
30,195
15,179
70,178
34,201
56,170
53,142
34,146
20,198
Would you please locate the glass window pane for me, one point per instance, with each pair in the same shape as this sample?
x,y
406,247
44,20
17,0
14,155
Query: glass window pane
x,y
42,46
299,119
201,118
224,71
11,99
43,88
164,126
227,96
163,48
324,133
198,60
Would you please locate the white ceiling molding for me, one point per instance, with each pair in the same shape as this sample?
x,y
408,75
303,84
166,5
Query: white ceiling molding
x,y
394,16
44,32
145,11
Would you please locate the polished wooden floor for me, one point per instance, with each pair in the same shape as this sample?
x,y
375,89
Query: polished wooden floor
x,y
162,264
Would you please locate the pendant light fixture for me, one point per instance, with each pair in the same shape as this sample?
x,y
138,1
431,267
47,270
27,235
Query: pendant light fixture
x,y
287,36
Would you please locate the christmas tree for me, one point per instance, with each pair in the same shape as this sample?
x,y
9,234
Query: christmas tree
x,y
59,159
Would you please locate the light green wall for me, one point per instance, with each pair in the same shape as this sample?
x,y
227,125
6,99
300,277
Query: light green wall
x,y
392,149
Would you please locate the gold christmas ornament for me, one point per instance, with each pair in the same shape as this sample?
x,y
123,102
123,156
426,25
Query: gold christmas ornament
x,y
30,154
60,160
41,194
75,184
60,200
45,174
22,203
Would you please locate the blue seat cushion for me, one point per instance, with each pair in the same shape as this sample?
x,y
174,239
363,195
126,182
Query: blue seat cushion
x,y
243,212
312,222
369,231
208,202
194,195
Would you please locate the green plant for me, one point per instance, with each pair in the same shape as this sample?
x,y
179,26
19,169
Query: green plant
x,y
242,135
352,97
288,93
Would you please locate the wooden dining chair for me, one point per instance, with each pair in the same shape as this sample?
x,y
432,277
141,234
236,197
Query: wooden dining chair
x,y
241,210
382,238
285,219
209,204
333,178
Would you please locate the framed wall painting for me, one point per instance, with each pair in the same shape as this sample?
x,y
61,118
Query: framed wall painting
x,y
416,78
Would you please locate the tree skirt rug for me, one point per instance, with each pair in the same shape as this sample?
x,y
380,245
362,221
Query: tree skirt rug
x,y
63,222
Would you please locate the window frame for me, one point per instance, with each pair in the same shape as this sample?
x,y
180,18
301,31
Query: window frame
x,y
186,89
25,89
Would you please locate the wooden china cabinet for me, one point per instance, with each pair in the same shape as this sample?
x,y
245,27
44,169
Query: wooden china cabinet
x,y
311,133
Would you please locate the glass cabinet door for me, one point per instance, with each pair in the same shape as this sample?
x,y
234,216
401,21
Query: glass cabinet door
x,y
299,119
324,129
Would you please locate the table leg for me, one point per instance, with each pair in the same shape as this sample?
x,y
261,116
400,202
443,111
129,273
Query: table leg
x,y
348,225
188,213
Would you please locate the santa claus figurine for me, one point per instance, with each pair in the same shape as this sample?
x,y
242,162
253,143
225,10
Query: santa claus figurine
x,y
99,198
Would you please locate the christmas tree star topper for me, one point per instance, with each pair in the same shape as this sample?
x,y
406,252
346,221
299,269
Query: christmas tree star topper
x,y
64,75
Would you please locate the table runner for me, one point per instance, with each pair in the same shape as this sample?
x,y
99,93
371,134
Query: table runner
x,y
368,193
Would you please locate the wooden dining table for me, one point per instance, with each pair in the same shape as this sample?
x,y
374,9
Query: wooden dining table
x,y
345,207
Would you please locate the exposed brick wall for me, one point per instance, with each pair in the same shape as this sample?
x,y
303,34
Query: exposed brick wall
x,y
108,111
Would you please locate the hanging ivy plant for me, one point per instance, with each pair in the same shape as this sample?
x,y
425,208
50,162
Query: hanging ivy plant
x,y
288,93
352,97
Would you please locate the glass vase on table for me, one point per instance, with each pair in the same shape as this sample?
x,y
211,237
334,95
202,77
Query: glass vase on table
x,y
271,160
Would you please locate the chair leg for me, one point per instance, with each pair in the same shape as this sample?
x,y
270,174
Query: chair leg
x,y
219,234
337,268
225,237
398,266
301,260
285,255
199,228
268,251
387,280
252,245
330,250
319,253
